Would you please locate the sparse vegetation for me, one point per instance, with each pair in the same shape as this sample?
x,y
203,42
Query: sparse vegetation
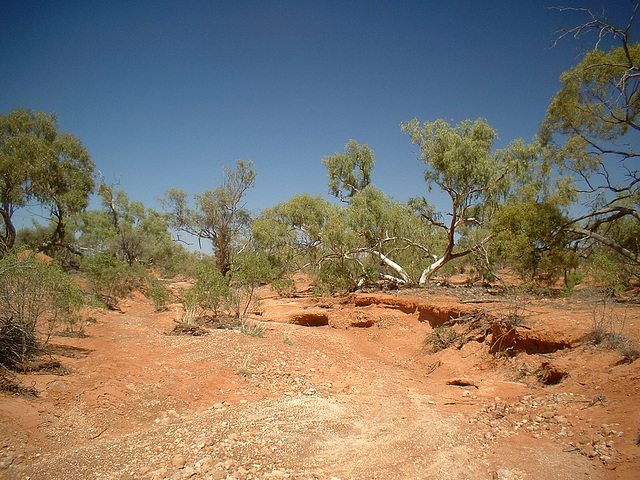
x,y
608,331
441,338
251,328
35,299
110,278
245,369
157,292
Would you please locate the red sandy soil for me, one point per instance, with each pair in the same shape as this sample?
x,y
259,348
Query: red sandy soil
x,y
338,388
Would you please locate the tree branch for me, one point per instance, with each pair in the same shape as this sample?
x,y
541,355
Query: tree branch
x,y
607,242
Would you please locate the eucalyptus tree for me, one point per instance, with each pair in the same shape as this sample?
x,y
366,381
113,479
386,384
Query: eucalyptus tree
x,y
40,164
220,216
591,131
135,233
349,172
462,163
373,237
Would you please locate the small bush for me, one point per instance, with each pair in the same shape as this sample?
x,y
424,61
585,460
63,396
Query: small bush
x,y
608,331
211,291
608,274
250,271
157,293
252,329
336,277
245,369
110,278
515,315
284,286
441,338
35,297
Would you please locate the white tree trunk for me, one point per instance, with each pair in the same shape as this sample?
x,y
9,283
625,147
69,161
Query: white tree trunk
x,y
404,276
426,273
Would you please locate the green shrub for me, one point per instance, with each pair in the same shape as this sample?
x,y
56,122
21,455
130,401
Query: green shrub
x,y
35,298
250,270
284,286
252,329
336,277
109,278
608,273
211,291
157,293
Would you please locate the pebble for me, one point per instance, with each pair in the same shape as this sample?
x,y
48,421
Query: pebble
x,y
205,441
178,461
188,472
503,474
218,474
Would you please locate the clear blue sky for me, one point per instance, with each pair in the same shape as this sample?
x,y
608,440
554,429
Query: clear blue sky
x,y
163,94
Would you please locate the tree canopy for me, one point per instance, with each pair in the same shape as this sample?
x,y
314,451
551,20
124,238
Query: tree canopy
x,y
349,172
220,217
39,163
461,162
591,132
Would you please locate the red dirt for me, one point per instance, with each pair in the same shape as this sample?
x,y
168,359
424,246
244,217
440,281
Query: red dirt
x,y
337,388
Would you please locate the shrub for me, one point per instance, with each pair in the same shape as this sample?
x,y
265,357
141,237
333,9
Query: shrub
x,y
250,270
608,331
284,286
157,293
608,273
441,338
110,278
211,291
35,297
336,276
252,329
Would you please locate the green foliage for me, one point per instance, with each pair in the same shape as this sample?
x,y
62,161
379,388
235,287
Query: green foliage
x,y
460,161
157,292
530,239
597,104
250,271
607,273
290,233
39,163
220,215
110,278
211,291
589,132
343,246
35,297
336,275
131,232
349,172
284,286
459,158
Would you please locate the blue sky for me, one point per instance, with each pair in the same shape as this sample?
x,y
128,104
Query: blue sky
x,y
163,94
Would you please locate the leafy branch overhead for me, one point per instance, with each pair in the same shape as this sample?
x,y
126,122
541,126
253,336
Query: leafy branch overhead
x,y
591,131
39,163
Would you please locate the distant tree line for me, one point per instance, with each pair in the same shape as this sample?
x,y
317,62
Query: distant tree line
x,y
513,207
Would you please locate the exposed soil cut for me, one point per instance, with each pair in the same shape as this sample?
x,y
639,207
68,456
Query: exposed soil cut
x,y
338,388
